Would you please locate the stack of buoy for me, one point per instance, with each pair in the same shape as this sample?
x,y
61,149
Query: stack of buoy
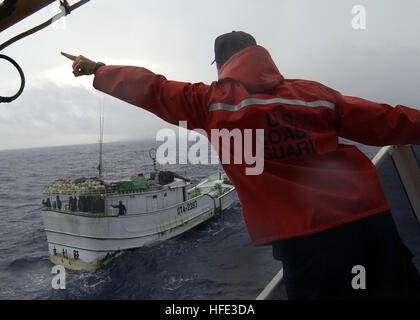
x,y
70,187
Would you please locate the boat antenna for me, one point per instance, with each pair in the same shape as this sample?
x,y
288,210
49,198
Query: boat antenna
x,y
101,139
152,154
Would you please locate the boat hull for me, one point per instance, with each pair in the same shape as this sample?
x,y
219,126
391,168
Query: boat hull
x,y
83,242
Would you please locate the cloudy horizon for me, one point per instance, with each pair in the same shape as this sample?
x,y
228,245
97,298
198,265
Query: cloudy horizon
x,y
307,40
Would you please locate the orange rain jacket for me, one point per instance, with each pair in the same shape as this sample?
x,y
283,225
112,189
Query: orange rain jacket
x,y
310,182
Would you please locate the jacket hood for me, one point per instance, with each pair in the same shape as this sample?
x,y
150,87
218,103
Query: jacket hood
x,y
254,68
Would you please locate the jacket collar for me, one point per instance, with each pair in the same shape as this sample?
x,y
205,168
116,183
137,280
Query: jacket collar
x,y
254,68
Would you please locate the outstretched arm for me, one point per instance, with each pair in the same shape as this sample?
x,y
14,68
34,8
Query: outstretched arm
x,y
374,123
173,101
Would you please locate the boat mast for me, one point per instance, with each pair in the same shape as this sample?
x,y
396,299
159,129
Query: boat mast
x,y
152,154
101,140
219,169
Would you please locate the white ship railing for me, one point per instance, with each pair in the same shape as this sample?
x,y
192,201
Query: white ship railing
x,y
408,169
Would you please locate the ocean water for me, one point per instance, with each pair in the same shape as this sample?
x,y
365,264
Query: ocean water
x,y
216,260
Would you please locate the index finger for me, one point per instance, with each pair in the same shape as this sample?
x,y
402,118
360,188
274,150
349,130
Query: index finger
x,y
69,56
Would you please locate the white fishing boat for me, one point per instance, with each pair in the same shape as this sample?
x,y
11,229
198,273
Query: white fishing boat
x,y
87,221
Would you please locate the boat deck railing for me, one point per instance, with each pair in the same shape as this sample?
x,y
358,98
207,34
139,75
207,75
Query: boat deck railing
x,y
408,169
78,212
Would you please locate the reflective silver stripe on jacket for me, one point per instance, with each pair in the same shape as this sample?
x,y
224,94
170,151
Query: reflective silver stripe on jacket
x,y
251,101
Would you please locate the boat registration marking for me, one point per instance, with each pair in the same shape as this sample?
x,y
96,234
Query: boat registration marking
x,y
186,207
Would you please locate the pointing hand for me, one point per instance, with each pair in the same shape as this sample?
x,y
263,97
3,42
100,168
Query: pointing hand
x,y
82,66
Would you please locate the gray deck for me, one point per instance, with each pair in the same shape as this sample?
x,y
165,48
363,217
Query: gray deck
x,y
404,217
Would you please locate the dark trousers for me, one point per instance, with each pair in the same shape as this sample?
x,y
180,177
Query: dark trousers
x,y
320,265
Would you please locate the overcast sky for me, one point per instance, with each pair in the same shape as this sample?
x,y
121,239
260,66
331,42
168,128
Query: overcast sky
x,y
307,39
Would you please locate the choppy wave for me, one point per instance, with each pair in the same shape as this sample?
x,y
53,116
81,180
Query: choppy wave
x,y
216,260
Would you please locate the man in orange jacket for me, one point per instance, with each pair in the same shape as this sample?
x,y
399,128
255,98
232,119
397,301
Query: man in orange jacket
x,y
317,202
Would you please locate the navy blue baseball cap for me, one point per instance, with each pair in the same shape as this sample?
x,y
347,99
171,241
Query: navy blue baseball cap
x,y
226,45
